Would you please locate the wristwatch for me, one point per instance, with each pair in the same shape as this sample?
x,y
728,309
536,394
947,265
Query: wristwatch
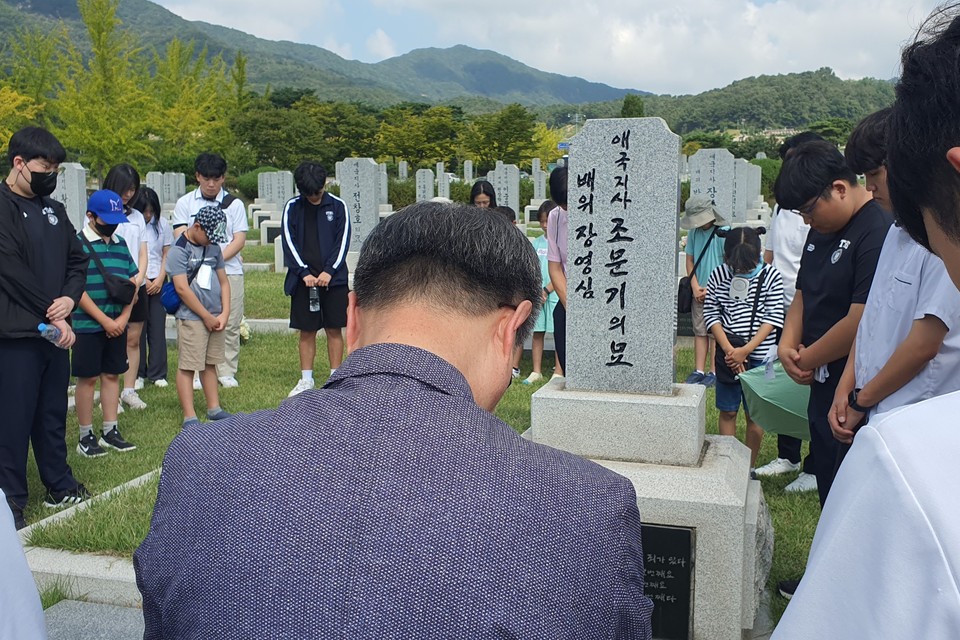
x,y
852,402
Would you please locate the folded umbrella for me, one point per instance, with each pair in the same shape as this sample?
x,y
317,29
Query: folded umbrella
x,y
777,403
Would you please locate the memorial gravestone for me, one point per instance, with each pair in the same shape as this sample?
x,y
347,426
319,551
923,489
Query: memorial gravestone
x,y
507,185
285,188
154,180
468,171
443,185
741,192
174,186
711,174
402,170
71,191
336,171
424,184
265,188
384,186
359,191
707,538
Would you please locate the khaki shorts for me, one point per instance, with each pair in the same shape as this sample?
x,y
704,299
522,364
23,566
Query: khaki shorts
x,y
699,324
197,347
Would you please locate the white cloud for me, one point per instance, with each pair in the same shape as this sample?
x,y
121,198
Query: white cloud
x,y
685,46
664,46
380,45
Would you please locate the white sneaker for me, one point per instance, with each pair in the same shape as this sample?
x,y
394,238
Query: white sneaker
x,y
229,382
130,398
804,482
533,377
160,383
196,382
302,386
777,467
138,384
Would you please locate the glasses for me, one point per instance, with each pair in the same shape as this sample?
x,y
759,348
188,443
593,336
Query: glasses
x,y
45,168
807,209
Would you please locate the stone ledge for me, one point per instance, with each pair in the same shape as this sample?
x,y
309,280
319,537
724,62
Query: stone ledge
x,y
628,427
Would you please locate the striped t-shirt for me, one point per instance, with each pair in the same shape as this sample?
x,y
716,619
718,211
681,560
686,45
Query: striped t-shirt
x,y
117,261
734,315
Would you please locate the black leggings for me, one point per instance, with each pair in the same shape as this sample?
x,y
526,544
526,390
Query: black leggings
x,y
560,335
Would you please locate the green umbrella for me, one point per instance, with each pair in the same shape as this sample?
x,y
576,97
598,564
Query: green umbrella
x,y
778,405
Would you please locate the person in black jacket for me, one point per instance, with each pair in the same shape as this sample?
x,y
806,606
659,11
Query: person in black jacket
x,y
316,238
42,276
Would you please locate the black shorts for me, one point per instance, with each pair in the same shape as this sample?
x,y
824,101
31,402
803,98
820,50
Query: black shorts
x,y
140,309
333,309
95,353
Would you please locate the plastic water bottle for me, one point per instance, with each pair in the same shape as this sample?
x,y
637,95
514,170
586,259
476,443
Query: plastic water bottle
x,y
314,300
49,332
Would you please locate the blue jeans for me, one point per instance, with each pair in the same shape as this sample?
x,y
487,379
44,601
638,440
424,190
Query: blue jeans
x,y
729,396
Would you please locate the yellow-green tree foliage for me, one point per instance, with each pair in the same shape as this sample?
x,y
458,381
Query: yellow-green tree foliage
x,y
16,111
102,111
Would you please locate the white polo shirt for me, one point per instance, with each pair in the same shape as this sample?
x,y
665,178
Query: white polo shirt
x,y
157,237
884,559
132,232
910,283
187,208
787,237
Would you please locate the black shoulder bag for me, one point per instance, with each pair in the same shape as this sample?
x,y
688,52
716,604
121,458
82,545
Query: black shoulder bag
x,y
720,368
121,290
685,289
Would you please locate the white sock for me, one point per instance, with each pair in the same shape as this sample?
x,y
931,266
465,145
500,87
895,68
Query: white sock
x,y
306,374
698,371
333,370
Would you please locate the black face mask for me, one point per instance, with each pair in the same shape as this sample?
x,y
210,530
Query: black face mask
x,y
105,230
43,184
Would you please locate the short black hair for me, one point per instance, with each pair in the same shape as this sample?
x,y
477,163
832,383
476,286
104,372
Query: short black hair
x,y
808,171
507,212
120,179
449,257
558,186
741,248
866,148
484,187
210,165
35,142
545,208
311,177
924,125
795,141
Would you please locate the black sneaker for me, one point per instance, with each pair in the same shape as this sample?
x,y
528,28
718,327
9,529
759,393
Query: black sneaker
x,y
18,521
69,497
787,588
114,440
88,446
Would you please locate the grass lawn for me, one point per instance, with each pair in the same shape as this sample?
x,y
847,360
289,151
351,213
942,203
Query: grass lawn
x,y
264,296
258,253
269,369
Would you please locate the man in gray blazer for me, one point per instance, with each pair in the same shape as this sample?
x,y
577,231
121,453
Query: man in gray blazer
x,y
392,503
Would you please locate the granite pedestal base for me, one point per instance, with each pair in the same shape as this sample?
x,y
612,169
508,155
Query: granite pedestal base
x,y
734,536
621,426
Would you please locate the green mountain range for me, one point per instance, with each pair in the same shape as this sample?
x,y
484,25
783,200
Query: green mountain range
x,y
475,80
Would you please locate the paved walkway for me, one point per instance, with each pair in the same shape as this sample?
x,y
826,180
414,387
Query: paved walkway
x,y
75,620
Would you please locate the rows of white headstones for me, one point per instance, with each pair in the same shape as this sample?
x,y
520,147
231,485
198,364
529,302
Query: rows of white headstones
x,y
733,184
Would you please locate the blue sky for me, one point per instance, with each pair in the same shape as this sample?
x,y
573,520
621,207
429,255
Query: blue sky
x,y
663,46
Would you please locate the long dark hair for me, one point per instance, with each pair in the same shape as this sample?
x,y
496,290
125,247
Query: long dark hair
x,y
120,179
147,198
741,248
484,187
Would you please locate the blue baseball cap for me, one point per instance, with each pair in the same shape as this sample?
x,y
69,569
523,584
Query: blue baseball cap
x,y
108,206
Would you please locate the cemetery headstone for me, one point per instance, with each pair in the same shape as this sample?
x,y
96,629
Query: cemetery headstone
x,y
71,191
539,185
741,195
383,186
443,185
424,184
336,170
707,538
403,170
468,171
265,187
174,186
154,180
359,191
285,188
622,237
711,174
761,155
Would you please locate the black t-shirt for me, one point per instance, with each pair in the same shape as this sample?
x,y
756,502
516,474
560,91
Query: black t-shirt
x,y
836,270
41,225
310,252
